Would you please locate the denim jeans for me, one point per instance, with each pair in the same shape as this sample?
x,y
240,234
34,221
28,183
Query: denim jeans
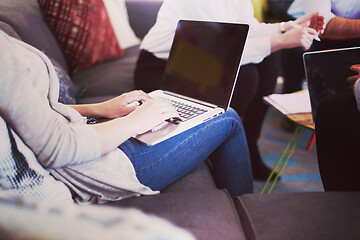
x,y
222,139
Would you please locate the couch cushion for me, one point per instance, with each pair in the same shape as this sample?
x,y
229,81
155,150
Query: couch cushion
x,y
198,179
311,215
83,30
9,30
68,91
208,214
25,17
109,78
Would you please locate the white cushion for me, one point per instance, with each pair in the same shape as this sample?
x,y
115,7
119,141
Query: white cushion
x,y
119,19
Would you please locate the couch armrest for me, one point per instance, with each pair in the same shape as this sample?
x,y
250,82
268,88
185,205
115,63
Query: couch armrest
x,y
142,15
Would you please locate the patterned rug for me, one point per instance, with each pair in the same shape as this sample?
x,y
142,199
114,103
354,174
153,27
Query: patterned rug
x,y
301,173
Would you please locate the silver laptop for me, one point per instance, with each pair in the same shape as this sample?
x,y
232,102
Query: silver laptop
x,y
201,74
326,72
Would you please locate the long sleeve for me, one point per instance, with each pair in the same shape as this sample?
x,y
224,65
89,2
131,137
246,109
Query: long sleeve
x,y
159,39
56,133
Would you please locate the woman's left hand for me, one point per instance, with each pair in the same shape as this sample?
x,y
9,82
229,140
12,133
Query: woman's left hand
x,y
119,106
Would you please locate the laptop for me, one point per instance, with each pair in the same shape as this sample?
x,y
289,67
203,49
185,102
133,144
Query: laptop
x,y
326,72
201,73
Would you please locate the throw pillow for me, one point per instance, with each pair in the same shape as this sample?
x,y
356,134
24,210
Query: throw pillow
x,y
68,91
83,30
119,18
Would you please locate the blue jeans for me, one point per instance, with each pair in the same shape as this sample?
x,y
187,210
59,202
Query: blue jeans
x,y
222,139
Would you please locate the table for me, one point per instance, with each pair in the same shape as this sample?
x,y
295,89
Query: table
x,y
303,121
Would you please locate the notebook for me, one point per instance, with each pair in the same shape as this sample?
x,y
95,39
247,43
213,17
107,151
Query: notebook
x,y
201,72
326,72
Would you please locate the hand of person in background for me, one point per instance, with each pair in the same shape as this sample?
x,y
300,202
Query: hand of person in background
x,y
298,37
313,20
353,79
317,22
298,33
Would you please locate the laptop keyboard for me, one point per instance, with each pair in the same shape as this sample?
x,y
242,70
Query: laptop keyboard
x,y
185,111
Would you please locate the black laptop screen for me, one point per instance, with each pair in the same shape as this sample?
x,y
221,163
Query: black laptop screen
x,y
326,73
204,60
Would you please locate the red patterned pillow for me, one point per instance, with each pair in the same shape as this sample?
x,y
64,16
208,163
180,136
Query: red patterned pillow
x,y
83,30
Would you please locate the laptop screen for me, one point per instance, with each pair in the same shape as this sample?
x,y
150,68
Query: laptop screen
x,y
204,60
326,73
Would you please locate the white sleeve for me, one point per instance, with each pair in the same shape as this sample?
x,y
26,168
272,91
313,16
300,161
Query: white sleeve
x,y
256,49
298,8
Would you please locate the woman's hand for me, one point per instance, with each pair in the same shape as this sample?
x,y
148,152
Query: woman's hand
x,y
150,114
118,106
143,118
353,79
299,37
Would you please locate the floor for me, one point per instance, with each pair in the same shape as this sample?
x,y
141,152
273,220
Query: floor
x,y
301,173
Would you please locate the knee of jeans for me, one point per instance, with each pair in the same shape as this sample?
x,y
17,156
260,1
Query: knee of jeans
x,y
232,113
236,118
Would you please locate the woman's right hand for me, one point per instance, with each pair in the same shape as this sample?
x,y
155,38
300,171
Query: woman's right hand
x,y
299,37
150,114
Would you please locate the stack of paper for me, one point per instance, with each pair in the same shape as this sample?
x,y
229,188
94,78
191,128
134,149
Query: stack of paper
x,y
291,103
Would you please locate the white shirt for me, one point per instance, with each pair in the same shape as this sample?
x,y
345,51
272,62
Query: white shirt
x,y
330,9
159,39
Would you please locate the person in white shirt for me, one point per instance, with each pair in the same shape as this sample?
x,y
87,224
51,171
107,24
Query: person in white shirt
x,y
259,70
341,29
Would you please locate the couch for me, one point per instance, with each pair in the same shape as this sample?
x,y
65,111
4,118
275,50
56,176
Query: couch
x,y
193,202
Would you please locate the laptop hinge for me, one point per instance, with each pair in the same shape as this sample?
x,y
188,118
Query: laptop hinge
x,y
191,99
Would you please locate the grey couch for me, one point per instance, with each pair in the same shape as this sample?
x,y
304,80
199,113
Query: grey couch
x,y
194,202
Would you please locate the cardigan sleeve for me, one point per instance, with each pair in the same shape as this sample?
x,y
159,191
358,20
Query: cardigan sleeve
x,y
56,139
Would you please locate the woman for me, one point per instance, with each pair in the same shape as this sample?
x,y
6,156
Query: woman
x,y
101,162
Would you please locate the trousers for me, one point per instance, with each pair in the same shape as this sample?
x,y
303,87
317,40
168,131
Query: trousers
x,y
221,139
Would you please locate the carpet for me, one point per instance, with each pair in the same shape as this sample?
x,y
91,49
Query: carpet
x,y
301,173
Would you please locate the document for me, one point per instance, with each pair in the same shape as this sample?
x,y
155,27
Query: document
x,y
290,103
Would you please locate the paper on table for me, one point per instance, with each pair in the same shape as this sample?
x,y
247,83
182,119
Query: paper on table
x,y
291,103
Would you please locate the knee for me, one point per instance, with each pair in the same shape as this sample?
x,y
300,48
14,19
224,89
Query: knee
x,y
233,114
235,118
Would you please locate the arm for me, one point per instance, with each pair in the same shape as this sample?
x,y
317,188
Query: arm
x,y
113,108
299,33
296,37
127,121
257,48
340,28
27,82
